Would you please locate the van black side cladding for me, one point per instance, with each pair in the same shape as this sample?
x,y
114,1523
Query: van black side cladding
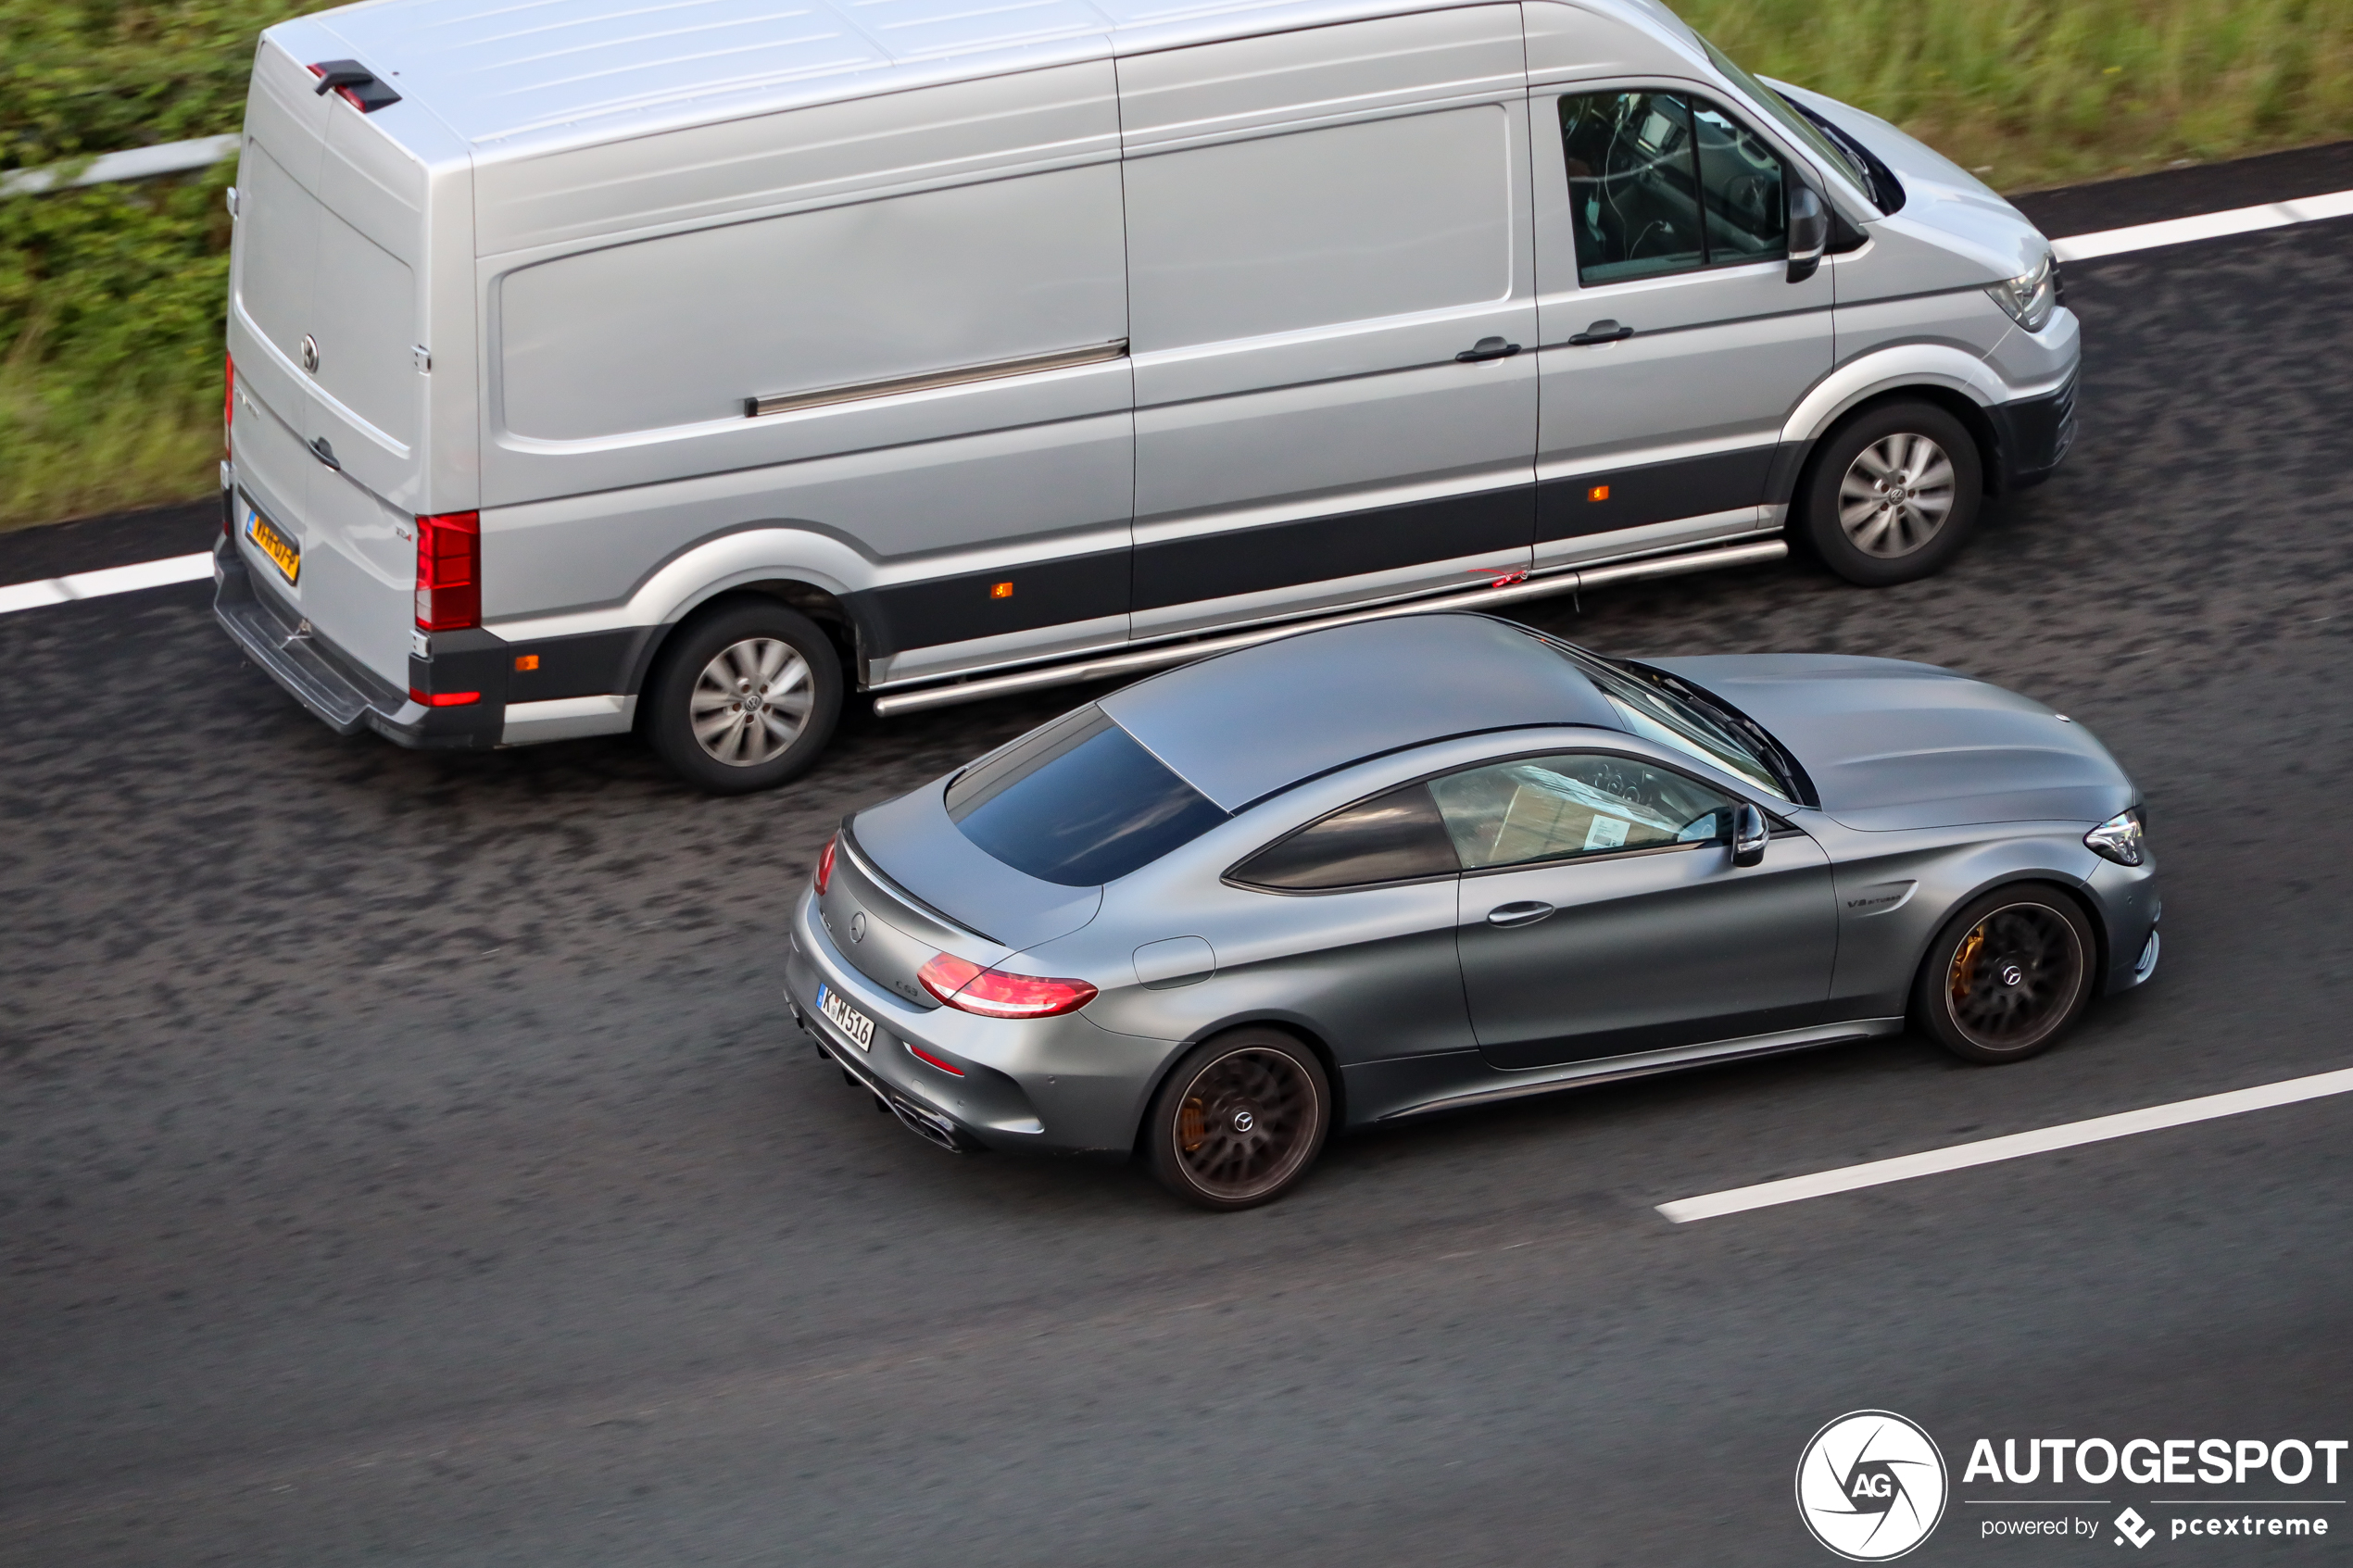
x,y
1283,554
990,603
1601,503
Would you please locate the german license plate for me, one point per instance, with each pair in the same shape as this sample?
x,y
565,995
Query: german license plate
x,y
848,1018
285,554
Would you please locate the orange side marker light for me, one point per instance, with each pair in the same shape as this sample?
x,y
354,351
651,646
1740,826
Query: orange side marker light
x,y
526,661
1001,590
1598,493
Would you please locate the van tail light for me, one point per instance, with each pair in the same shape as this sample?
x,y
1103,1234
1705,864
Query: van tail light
x,y
994,993
826,864
228,402
444,699
449,571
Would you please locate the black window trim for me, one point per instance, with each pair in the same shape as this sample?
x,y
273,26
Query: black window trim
x,y
1780,826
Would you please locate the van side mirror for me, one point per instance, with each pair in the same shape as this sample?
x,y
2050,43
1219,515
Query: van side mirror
x,y
1810,231
1749,835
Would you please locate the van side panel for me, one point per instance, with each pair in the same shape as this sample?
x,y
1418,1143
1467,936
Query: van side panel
x,y
946,230
1320,223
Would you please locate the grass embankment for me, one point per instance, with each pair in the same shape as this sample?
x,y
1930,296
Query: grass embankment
x,y
110,296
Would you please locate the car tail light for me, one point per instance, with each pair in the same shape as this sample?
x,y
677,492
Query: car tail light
x,y
449,571
994,993
826,864
922,1055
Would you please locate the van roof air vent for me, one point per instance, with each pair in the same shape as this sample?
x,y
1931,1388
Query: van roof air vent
x,y
356,83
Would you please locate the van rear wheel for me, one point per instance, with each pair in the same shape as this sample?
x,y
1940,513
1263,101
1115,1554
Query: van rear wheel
x,y
744,699
1892,495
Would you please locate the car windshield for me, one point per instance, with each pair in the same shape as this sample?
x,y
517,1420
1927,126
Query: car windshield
x,y
1658,708
1078,802
1790,119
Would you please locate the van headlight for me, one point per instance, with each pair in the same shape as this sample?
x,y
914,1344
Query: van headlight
x,y
2119,838
2031,296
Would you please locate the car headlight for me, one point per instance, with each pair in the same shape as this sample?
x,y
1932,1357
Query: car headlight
x,y
2031,296
2119,838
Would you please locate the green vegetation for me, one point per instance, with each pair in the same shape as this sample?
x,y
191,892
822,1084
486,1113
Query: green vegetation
x,y
110,296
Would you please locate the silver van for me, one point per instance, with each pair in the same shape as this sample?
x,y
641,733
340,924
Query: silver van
x,y
683,366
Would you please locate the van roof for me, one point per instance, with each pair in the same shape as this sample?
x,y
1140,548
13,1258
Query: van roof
x,y
492,71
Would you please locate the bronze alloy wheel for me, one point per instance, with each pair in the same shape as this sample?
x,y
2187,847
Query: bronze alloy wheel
x,y
1240,1119
2011,972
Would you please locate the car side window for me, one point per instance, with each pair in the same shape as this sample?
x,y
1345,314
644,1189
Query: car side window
x,y
1556,808
1392,837
1659,183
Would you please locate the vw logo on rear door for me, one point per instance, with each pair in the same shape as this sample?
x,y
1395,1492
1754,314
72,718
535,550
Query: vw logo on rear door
x,y
858,927
310,354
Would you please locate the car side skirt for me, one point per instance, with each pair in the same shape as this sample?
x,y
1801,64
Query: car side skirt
x,y
1608,1070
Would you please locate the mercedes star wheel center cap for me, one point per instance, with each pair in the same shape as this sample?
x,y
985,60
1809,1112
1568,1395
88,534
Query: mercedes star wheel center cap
x,y
1244,1120
2013,975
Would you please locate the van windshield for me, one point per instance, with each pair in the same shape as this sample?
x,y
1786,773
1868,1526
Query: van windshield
x,y
1078,802
1790,119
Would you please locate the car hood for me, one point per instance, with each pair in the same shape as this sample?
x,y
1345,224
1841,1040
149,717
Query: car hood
x,y
1889,744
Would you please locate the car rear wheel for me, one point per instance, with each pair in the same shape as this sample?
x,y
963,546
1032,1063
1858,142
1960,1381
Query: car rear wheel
x,y
1240,1121
743,699
2007,976
1892,495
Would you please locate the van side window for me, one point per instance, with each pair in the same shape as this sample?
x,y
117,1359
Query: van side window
x,y
1659,183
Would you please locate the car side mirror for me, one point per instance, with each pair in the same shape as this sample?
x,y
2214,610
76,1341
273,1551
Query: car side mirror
x,y
1810,231
1749,835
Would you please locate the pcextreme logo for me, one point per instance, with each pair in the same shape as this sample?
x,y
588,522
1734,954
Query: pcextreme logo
x,y
1870,1485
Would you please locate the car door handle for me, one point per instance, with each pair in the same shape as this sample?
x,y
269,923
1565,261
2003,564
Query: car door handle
x,y
1487,348
1528,913
1601,331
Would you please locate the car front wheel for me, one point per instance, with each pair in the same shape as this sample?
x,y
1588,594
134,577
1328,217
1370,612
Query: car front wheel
x,y
2008,974
1240,1121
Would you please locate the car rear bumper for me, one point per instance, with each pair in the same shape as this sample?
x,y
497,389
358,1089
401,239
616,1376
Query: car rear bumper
x,y
338,690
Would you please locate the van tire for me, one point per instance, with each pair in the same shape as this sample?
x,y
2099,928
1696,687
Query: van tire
x,y
1883,450
712,660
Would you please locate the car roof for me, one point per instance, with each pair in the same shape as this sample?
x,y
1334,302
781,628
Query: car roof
x,y
1245,724
498,71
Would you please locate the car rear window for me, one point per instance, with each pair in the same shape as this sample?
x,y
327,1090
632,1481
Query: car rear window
x,y
1078,802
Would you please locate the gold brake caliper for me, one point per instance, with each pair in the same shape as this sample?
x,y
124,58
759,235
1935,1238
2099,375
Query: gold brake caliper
x,y
1963,976
1192,1125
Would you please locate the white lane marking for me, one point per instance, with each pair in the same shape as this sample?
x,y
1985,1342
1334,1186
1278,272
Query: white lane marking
x,y
1961,1155
2075,247
111,580
2205,226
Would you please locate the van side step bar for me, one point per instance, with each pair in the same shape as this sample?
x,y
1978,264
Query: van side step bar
x,y
1108,667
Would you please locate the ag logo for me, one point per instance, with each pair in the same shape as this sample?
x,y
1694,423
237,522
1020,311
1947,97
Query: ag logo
x,y
1870,1485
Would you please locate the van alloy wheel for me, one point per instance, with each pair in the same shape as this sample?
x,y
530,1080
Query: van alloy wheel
x,y
1896,495
751,701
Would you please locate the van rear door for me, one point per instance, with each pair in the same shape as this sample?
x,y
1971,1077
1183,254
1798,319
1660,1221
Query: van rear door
x,y
330,229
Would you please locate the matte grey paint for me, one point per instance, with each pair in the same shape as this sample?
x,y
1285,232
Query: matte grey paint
x,y
1651,960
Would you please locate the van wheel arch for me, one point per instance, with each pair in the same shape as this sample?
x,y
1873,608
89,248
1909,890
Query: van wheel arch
x,y
1962,407
826,608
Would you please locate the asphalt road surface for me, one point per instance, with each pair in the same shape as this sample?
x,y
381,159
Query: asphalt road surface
x,y
408,1160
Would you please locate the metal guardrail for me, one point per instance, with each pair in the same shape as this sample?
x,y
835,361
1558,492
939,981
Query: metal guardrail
x,y
138,163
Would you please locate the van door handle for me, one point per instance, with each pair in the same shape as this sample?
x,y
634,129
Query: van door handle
x,y
1601,332
1528,913
324,453
1487,348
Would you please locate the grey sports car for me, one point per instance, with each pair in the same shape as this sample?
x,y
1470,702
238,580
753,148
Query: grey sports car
x,y
1404,866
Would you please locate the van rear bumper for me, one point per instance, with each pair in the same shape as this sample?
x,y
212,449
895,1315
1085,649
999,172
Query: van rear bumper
x,y
339,691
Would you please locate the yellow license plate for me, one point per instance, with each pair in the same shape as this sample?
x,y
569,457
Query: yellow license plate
x,y
264,535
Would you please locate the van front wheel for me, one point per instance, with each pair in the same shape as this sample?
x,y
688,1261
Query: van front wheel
x,y
1892,495
743,699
